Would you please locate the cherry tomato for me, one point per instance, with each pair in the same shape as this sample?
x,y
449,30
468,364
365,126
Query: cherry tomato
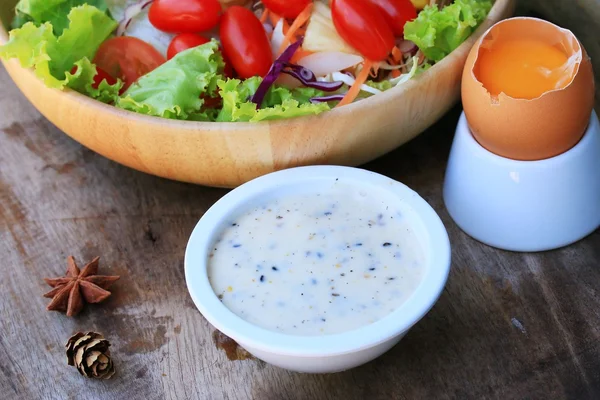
x,y
286,8
397,13
245,42
364,27
127,58
183,42
100,76
189,16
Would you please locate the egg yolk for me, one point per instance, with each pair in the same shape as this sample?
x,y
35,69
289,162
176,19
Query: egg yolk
x,y
522,69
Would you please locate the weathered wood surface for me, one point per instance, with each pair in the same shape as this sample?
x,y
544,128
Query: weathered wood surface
x,y
508,325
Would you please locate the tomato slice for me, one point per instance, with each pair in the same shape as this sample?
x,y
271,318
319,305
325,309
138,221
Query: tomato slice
x,y
286,8
397,13
364,27
128,58
183,42
187,16
245,42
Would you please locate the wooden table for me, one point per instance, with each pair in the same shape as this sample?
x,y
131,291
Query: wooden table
x,y
507,326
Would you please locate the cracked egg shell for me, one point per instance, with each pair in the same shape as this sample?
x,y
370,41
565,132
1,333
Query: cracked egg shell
x,y
536,128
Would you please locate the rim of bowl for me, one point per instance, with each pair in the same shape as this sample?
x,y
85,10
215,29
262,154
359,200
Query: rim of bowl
x,y
437,245
499,8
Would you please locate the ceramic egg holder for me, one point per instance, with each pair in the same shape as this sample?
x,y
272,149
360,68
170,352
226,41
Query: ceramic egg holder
x,y
524,205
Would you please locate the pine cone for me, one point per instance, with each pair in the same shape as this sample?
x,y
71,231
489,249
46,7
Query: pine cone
x,y
90,354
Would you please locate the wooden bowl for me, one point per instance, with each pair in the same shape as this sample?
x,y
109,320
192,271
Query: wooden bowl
x,y
229,154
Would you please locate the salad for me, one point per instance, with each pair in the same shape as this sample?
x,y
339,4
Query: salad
x,y
235,60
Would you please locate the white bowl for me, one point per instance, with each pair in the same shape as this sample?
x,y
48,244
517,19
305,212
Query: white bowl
x,y
327,353
524,205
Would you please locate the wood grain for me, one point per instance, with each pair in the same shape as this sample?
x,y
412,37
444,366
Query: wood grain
x,y
226,154
508,325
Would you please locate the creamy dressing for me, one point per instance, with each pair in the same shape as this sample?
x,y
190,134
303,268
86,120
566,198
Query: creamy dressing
x,y
317,263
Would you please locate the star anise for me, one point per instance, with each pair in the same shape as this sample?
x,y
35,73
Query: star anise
x,y
72,291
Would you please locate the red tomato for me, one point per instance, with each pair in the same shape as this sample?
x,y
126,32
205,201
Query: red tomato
x,y
397,13
245,42
364,27
286,8
100,76
190,16
127,58
183,42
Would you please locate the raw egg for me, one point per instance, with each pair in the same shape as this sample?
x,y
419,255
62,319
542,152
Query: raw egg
x,y
528,89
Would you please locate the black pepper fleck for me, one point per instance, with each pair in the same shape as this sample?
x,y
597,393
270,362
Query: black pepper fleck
x,y
386,244
274,268
335,294
262,278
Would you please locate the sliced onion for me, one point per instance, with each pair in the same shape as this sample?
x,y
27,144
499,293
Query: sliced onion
x,y
277,38
324,99
407,47
308,78
386,66
268,28
323,63
338,76
130,13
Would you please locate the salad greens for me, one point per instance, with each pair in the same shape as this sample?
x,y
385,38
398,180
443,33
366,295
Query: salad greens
x,y
437,32
59,39
173,90
53,57
54,11
279,102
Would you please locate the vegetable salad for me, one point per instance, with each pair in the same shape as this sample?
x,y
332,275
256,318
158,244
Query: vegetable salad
x,y
235,60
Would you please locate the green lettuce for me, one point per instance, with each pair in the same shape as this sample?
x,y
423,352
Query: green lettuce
x,y
279,102
438,32
174,89
52,57
54,11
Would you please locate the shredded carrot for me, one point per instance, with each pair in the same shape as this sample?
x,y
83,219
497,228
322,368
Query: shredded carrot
x,y
396,73
275,20
301,32
299,55
300,20
396,55
264,16
355,88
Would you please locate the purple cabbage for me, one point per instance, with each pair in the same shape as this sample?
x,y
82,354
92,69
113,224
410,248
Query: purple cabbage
x,y
283,65
308,78
274,72
324,99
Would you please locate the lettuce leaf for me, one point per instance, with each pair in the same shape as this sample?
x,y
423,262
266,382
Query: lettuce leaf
x,y
438,32
52,57
54,11
174,89
279,102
